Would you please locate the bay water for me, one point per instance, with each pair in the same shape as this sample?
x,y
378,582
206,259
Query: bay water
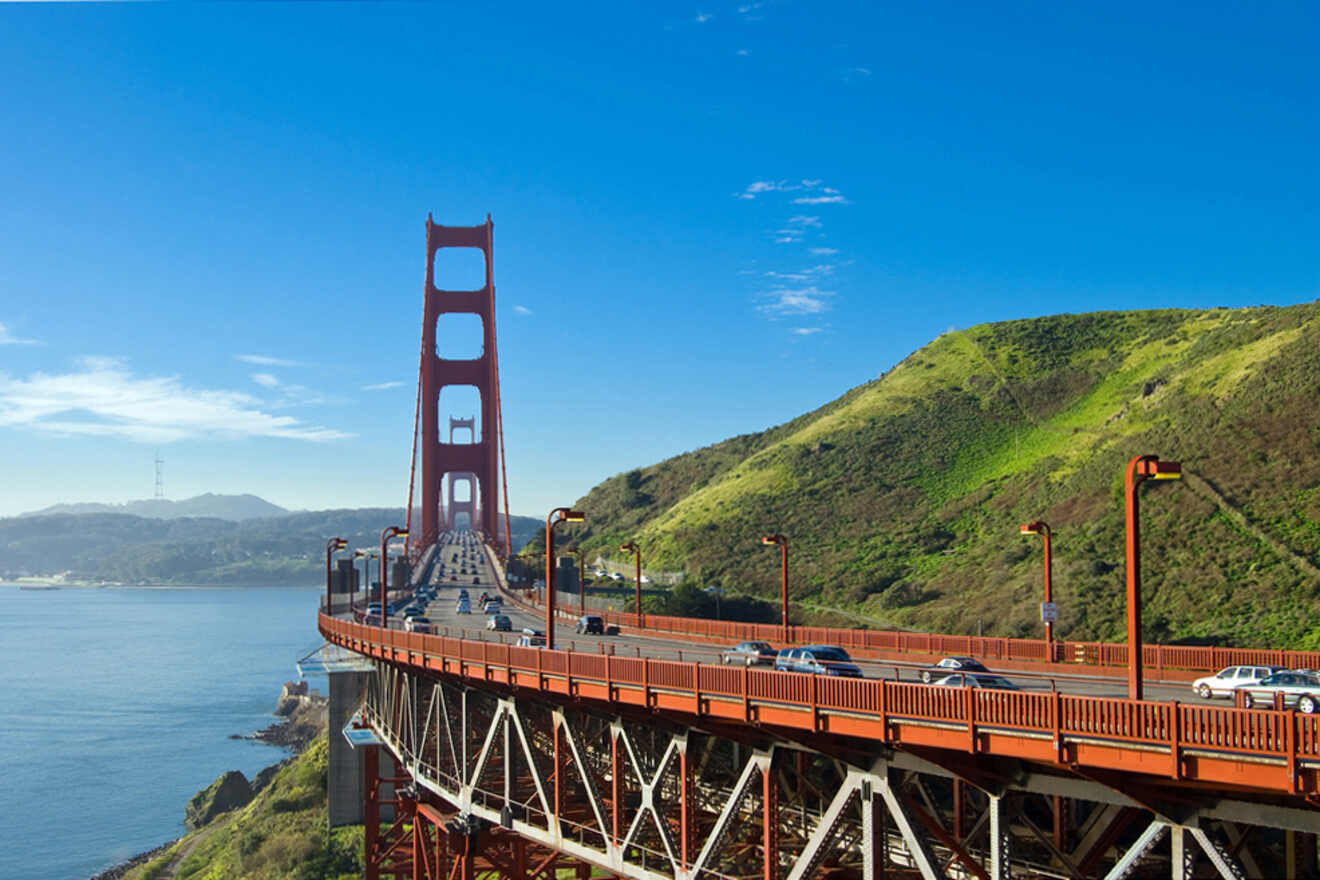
x,y
118,705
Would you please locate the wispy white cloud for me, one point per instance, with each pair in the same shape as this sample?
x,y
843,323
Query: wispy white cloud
x,y
102,398
788,239
809,300
856,74
266,380
381,386
833,199
805,331
812,193
744,53
746,8
824,251
802,220
262,360
703,17
8,338
788,276
521,310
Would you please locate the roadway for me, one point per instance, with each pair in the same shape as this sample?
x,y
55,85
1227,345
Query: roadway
x,y
468,567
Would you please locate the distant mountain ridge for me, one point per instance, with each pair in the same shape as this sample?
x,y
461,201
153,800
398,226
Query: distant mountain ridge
x,y
235,508
119,547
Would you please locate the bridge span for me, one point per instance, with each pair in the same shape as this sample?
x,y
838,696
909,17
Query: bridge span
x,y
638,755
611,756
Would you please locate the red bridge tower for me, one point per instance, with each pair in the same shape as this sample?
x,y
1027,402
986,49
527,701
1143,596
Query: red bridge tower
x,y
477,460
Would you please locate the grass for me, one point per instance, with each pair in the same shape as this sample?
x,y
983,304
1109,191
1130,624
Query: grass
x,y
902,498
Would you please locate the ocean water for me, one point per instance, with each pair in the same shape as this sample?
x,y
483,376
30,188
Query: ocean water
x,y
117,707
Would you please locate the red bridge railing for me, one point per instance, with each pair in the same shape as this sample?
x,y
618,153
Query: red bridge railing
x,y
1266,750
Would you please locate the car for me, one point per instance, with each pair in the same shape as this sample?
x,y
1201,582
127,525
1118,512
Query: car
x,y
645,579
462,593
600,573
1229,679
1300,689
976,680
615,576
750,654
476,580
491,608
531,638
417,624
817,660
590,623
464,607
952,664
499,623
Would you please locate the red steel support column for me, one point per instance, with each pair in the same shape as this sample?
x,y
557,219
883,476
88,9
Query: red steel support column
x,y
371,812
559,771
686,830
769,823
616,788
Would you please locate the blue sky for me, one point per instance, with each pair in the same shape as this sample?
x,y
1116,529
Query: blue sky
x,y
709,218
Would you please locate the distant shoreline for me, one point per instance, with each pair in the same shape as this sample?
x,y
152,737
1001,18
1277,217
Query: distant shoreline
x,y
82,585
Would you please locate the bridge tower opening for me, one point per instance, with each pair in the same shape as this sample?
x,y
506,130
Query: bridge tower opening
x,y
477,464
462,493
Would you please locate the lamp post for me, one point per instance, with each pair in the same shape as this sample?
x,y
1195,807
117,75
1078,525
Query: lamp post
x,y
366,556
631,547
391,532
1039,527
783,571
1139,469
556,516
330,547
582,579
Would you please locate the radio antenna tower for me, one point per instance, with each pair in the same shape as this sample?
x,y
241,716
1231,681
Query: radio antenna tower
x,y
160,479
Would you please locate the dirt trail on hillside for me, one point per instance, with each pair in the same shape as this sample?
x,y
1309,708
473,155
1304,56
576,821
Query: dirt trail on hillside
x,y
171,869
1206,489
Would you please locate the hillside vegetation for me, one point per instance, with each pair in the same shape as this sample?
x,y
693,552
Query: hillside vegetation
x,y
902,499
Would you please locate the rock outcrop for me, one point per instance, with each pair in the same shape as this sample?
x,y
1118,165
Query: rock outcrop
x,y
229,792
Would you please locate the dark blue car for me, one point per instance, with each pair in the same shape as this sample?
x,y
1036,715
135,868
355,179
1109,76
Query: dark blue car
x,y
818,660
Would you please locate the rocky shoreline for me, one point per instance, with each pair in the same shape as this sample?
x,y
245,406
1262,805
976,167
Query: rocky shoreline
x,y
123,868
302,715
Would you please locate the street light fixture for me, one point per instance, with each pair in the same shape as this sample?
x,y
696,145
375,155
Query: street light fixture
x,y
582,578
330,547
1139,469
631,547
391,532
783,571
1047,610
558,515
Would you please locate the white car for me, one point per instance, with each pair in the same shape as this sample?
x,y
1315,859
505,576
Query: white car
x,y
615,576
1229,679
418,624
600,573
645,579
464,606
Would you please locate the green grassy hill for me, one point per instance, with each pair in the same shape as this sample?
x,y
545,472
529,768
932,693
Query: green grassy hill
x,y
902,499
